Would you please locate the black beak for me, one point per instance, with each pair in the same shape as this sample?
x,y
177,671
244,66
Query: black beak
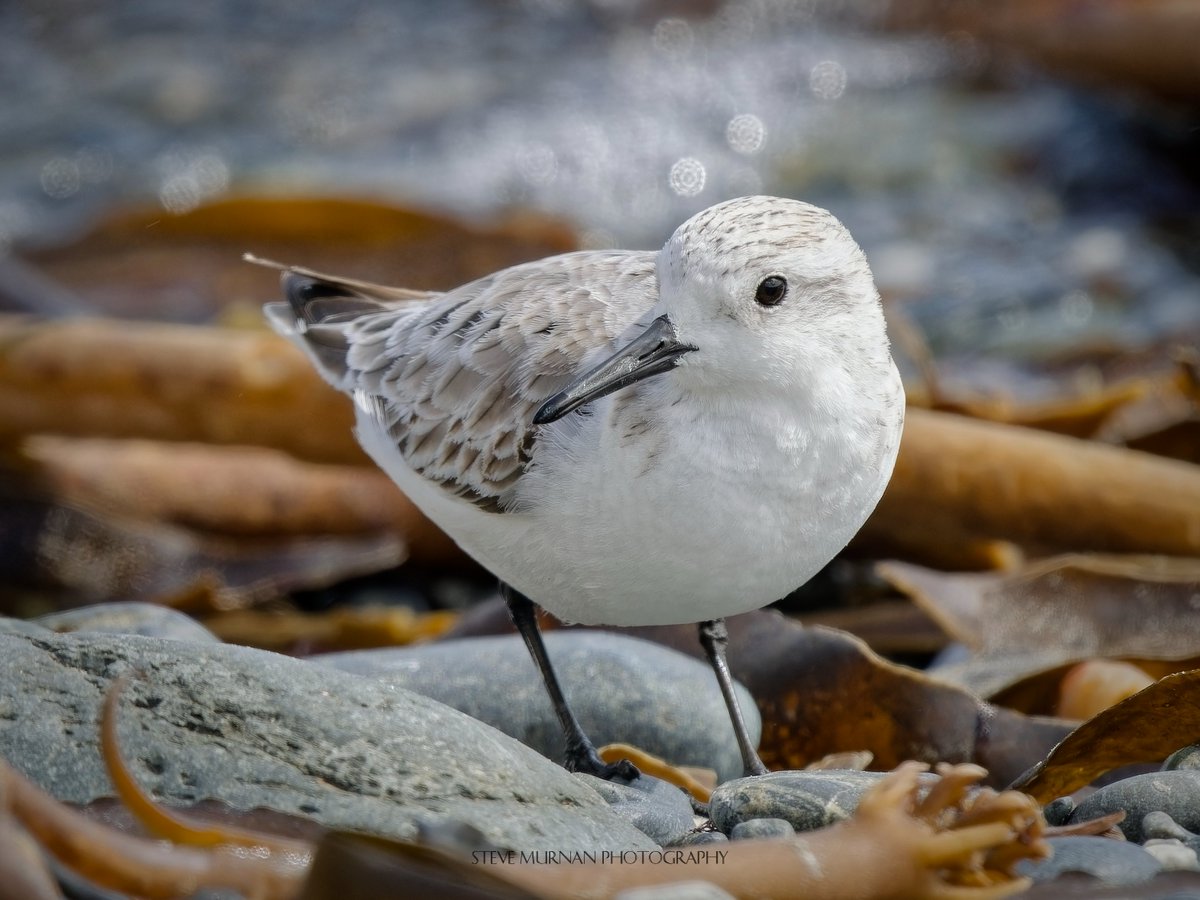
x,y
654,351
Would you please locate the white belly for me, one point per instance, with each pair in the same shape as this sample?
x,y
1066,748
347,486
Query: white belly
x,y
686,522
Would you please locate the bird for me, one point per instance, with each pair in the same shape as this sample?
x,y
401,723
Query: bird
x,y
628,437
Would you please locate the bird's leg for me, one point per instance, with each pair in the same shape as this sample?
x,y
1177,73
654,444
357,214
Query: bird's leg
x,y
713,638
581,753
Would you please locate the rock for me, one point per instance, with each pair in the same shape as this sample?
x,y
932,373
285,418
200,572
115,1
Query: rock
x,y
622,689
20,627
1175,792
1173,855
700,838
655,807
806,800
146,619
1186,758
251,729
1058,811
1112,862
762,828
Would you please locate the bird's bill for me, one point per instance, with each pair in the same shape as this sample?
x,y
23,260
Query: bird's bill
x,y
655,351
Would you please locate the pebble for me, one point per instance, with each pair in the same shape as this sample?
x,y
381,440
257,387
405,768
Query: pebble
x,y
257,729
762,828
1175,792
1112,862
623,689
655,807
1173,855
806,800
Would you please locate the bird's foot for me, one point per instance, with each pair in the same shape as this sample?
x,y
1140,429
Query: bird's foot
x,y
586,760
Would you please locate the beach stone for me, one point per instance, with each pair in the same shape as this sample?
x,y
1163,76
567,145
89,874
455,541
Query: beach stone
x,y
655,807
700,838
806,800
1186,758
1173,855
1112,862
210,721
1175,792
622,689
146,619
762,828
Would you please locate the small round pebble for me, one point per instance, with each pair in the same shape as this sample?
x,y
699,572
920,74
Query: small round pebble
x,y
1173,855
1058,811
762,828
1187,758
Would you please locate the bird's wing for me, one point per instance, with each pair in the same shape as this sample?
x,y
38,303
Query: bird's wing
x,y
454,379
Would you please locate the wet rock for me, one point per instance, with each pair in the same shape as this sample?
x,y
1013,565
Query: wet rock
x,y
1112,862
1175,792
622,689
806,800
146,619
655,807
1058,811
762,828
251,729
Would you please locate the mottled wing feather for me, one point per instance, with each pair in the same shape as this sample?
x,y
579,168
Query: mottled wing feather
x,y
454,381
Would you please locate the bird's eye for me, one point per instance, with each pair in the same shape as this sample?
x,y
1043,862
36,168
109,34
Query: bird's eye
x,y
771,291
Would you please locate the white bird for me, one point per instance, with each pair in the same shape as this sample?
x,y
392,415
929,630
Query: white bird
x,y
630,438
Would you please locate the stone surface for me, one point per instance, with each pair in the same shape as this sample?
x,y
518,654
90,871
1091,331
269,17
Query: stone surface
x,y
1112,862
146,619
622,689
655,807
700,838
1173,855
251,728
1175,792
679,890
806,800
762,828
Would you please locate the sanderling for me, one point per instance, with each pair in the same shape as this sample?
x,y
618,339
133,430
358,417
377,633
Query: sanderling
x,y
630,438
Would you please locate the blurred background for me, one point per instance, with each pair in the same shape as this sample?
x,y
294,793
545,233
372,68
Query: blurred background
x,y
1024,182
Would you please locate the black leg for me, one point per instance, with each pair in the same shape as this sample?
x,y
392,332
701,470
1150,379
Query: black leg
x,y
713,638
581,754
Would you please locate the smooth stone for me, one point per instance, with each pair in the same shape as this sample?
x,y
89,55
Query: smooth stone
x,y
762,828
1112,862
146,619
257,729
700,838
657,808
1185,758
1058,811
806,800
1173,855
623,690
1175,792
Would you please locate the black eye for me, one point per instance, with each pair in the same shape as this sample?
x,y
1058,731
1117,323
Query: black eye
x,y
771,291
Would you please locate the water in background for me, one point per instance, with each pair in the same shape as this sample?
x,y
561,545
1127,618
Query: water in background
x,y
1008,218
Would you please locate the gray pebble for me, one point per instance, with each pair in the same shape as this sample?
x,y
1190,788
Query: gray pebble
x,y
700,838
762,828
806,800
679,890
1112,862
1187,758
655,807
622,689
1173,855
1175,792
